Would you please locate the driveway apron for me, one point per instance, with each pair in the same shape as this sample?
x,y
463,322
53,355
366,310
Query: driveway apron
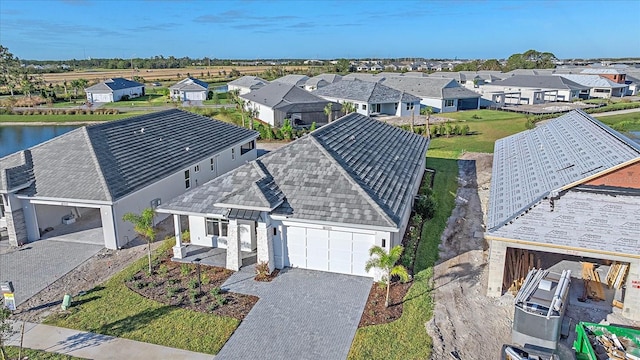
x,y
301,314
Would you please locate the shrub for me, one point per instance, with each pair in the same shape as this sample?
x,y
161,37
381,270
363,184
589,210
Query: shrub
x,y
262,270
193,284
193,296
416,220
205,279
425,206
215,291
140,285
186,236
220,300
212,307
185,269
124,98
476,117
171,291
163,270
464,130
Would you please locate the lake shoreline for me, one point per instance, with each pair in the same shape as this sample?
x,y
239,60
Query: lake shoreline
x,y
52,123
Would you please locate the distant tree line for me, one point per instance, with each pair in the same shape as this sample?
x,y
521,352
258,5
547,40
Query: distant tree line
x,y
530,59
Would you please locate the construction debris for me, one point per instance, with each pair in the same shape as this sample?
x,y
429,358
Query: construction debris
x,y
592,285
600,342
518,263
616,275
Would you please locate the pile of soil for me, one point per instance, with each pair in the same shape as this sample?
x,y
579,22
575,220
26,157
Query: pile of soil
x,y
176,284
374,310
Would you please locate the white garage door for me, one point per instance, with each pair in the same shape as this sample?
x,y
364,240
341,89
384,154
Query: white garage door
x,y
195,95
326,250
101,97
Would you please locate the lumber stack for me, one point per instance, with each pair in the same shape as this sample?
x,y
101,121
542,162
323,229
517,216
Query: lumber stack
x,y
518,263
592,284
616,275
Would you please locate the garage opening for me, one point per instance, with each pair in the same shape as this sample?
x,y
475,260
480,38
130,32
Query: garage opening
x,y
70,223
468,104
597,285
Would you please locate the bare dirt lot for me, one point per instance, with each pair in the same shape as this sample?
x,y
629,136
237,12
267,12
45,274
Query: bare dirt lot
x,y
466,323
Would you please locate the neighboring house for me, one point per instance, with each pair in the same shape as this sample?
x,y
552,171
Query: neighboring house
x,y
442,95
246,84
321,80
535,89
103,171
568,187
277,101
293,79
112,90
367,77
189,89
319,203
598,86
371,98
615,75
633,85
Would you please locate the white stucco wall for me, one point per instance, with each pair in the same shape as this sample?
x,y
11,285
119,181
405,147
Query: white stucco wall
x,y
51,216
241,89
265,113
131,92
436,104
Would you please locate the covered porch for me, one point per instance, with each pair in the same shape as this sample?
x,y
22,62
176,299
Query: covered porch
x,y
213,256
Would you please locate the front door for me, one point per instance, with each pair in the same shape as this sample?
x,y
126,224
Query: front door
x,y
247,235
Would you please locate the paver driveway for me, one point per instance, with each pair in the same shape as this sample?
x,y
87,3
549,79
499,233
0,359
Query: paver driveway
x,y
301,314
36,265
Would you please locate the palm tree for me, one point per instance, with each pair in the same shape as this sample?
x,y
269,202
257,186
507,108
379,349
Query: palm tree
x,y
253,113
386,262
327,111
428,111
143,226
348,107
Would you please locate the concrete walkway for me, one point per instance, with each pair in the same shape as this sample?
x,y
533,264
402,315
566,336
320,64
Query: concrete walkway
x,y
301,314
94,346
617,112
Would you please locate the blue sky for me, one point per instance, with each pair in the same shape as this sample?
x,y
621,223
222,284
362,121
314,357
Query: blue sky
x,y
65,29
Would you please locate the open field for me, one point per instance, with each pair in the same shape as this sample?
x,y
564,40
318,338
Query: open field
x,y
172,75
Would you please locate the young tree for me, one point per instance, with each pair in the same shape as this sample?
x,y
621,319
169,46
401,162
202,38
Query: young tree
x,y
143,226
428,111
386,262
348,107
9,70
327,111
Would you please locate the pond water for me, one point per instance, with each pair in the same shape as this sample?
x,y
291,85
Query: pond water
x,y
16,138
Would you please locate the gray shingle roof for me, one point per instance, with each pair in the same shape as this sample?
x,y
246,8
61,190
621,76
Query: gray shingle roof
x,y
190,84
280,95
330,78
602,71
250,82
113,84
111,160
15,170
369,92
426,87
293,79
530,165
541,81
355,170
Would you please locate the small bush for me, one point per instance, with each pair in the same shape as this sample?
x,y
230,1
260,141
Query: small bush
x,y
215,291
220,300
262,270
212,307
172,291
193,284
163,270
140,285
205,279
185,269
186,236
124,98
193,296
425,206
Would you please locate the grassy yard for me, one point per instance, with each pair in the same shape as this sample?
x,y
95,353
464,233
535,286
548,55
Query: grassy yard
x,y
406,338
485,129
12,353
142,101
624,122
66,118
113,309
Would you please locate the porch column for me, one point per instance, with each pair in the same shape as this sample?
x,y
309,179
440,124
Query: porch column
x,y
497,257
631,309
234,258
265,245
179,251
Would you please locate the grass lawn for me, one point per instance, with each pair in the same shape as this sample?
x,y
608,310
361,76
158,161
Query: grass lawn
x,y
142,101
66,118
218,102
406,337
624,122
485,129
113,309
12,353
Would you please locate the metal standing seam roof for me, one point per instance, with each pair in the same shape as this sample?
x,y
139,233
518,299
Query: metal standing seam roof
x,y
590,81
113,84
541,82
365,91
190,84
355,170
530,165
111,160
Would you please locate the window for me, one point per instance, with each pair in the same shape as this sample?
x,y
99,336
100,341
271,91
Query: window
x,y
410,106
384,242
364,107
196,168
187,179
213,164
395,106
217,227
448,103
357,106
275,231
375,108
155,203
247,147
1,206
233,153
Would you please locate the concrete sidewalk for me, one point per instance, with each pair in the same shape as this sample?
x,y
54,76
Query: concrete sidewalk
x,y
94,346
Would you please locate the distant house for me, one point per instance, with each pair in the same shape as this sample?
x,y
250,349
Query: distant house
x,y
442,95
88,178
598,86
615,75
371,98
293,79
277,101
189,89
535,89
112,90
246,84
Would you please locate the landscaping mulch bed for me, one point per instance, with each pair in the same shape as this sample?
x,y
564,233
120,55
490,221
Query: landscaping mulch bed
x,y
374,310
267,278
176,284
